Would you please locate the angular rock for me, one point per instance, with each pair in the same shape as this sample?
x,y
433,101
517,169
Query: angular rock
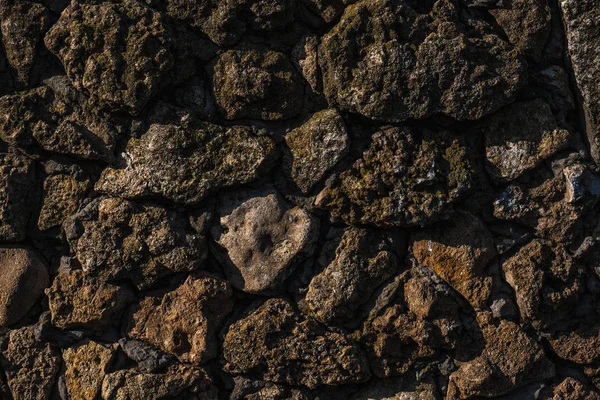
x,y
260,239
569,389
280,345
527,25
30,366
543,305
78,301
179,382
256,83
185,164
57,120
24,278
579,346
64,189
405,178
397,389
121,54
17,180
86,364
363,261
185,321
520,137
23,24
510,360
413,328
459,251
115,239
319,13
315,148
580,20
148,357
305,55
390,61
246,389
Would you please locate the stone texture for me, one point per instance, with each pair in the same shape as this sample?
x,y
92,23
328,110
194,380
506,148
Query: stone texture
x,y
178,381
520,137
390,61
86,365
580,346
459,251
192,161
580,19
406,177
569,389
527,25
78,301
363,261
17,180
260,239
24,278
280,345
121,54
185,321
256,83
315,148
510,359
115,239
30,366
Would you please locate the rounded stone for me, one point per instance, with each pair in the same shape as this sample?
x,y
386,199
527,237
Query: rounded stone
x,y
24,278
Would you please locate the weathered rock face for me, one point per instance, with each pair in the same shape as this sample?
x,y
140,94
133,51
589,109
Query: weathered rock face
x,y
58,120
77,301
121,54
404,178
116,239
315,148
459,251
280,345
363,261
527,25
510,359
185,164
531,269
17,179
256,83
31,367
24,278
178,381
569,389
391,60
520,137
582,37
260,239
185,322
86,365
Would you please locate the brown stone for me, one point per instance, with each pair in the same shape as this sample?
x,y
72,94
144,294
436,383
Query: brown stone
x,y
87,364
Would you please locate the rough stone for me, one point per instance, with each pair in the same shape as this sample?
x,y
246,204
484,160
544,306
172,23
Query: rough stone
x,y
121,54
527,25
405,178
580,346
260,239
17,180
23,25
580,18
30,366
390,60
185,321
459,251
86,364
148,357
186,163
280,345
315,148
24,278
179,382
256,83
78,301
363,261
115,239
569,389
510,360
520,137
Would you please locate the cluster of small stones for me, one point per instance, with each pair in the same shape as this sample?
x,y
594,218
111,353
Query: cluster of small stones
x,y
299,199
